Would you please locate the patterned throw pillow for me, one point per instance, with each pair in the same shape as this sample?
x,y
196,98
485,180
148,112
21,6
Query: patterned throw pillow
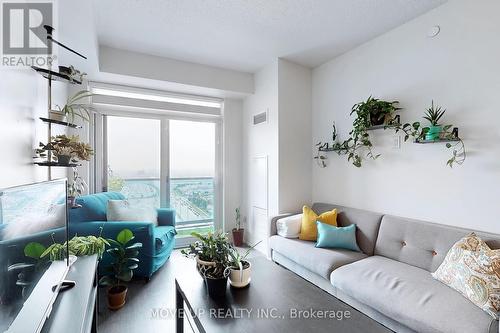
x,y
473,269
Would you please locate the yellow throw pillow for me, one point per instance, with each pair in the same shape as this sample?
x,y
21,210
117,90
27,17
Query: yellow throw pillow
x,y
308,229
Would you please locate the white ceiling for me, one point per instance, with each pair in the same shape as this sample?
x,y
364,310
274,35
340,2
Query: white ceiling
x,y
246,35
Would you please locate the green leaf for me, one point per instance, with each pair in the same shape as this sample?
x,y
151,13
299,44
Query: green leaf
x,y
107,281
125,236
131,253
34,250
125,276
137,260
134,246
19,266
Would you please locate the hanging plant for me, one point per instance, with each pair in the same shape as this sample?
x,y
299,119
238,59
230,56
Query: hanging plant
x,y
367,114
359,139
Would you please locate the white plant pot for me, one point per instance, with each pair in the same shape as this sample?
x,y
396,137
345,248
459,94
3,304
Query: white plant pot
x,y
240,278
59,116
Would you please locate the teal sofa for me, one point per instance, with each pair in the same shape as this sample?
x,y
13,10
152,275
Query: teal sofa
x,y
157,240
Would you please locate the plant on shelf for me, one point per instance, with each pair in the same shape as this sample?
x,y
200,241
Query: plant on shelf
x,y
434,115
121,269
212,254
238,232
66,149
75,107
435,132
373,112
369,113
240,273
359,139
72,72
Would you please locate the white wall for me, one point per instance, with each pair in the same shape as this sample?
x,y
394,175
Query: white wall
x,y
232,138
165,69
258,141
460,70
283,89
23,98
295,136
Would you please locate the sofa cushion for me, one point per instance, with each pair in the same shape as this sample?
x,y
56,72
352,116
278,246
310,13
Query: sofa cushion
x,y
308,228
367,223
420,243
410,296
316,260
93,207
164,235
473,269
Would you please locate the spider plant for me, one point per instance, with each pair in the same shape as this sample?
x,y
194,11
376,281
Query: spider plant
x,y
76,108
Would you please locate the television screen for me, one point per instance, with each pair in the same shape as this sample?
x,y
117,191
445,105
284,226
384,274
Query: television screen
x,y
32,218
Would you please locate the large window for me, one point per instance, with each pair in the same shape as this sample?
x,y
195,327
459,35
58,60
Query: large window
x,y
162,158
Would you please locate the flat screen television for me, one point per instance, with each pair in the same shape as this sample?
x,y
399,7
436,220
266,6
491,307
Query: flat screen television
x,y
32,217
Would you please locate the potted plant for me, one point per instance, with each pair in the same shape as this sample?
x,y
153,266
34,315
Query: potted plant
x,y
238,232
374,111
212,254
240,274
433,115
66,149
72,72
75,188
29,270
74,108
121,269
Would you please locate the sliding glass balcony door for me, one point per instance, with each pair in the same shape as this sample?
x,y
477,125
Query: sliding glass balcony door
x,y
165,162
133,159
192,174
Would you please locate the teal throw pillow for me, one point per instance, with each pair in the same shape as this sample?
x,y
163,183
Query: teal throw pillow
x,y
330,236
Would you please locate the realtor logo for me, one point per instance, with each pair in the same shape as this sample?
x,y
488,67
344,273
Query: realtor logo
x,y
23,34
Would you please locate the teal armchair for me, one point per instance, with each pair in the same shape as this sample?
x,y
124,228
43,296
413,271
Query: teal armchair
x,y
157,240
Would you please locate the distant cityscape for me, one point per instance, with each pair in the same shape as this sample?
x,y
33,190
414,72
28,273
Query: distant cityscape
x,y
192,198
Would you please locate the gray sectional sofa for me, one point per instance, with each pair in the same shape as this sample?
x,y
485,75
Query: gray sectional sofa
x,y
391,280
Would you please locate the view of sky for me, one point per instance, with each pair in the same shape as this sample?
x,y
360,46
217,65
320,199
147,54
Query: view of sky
x,y
134,148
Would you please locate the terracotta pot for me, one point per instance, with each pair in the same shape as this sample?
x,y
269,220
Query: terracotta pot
x,y
238,236
116,297
241,278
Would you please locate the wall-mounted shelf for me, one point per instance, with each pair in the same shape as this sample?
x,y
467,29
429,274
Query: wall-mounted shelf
x,y
51,75
58,122
55,76
330,149
55,164
397,121
436,141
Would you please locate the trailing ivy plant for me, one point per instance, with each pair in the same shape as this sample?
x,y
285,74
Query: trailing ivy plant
x,y
368,113
359,139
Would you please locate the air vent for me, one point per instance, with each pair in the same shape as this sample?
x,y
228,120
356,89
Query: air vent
x,y
260,118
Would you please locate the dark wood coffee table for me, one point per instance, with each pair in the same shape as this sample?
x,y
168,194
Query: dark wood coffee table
x,y
276,300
